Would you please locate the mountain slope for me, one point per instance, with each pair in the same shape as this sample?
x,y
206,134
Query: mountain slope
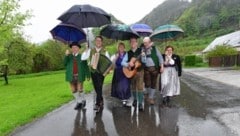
x,y
166,13
208,17
197,18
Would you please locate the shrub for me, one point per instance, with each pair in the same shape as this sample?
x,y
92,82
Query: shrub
x,y
221,50
190,60
199,59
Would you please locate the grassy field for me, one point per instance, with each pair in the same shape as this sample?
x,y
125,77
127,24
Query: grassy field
x,y
31,96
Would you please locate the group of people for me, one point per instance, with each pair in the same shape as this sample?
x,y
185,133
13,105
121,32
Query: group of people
x,y
135,74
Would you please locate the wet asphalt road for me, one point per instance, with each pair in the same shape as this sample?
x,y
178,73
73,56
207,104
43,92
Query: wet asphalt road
x,y
198,111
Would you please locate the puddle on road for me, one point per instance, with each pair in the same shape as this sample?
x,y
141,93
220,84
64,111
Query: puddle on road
x,y
187,116
195,126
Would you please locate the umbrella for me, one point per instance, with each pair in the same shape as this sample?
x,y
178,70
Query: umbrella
x,y
85,16
118,32
67,33
142,29
166,32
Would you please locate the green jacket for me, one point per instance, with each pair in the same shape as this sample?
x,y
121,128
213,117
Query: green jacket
x,y
83,70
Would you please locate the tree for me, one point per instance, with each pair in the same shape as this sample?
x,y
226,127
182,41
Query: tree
x,y
54,53
19,56
11,22
41,60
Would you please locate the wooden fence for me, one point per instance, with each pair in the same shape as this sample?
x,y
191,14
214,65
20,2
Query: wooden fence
x,y
226,61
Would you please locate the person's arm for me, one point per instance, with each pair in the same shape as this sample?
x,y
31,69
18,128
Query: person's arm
x,y
143,57
125,60
66,58
160,58
107,54
86,54
179,64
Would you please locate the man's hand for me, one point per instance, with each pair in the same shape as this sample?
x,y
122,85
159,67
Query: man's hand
x,y
161,69
130,64
67,52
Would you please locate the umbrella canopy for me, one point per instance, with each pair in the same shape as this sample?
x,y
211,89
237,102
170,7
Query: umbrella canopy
x,y
142,29
85,16
118,32
67,33
166,32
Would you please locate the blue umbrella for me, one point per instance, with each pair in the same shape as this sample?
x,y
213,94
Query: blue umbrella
x,y
142,29
166,32
67,33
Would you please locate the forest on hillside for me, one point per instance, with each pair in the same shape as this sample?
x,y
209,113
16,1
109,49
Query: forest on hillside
x,y
199,17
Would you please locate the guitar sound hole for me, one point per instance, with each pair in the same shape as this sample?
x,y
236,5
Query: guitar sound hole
x,y
132,68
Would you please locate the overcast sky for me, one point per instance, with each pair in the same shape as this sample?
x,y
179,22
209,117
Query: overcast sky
x,y
46,13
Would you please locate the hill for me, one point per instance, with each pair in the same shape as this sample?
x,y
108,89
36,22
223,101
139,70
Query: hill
x,y
210,17
197,18
166,13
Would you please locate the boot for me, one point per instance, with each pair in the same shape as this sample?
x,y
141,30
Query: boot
x,y
140,107
134,98
151,96
78,106
164,101
140,101
146,93
81,94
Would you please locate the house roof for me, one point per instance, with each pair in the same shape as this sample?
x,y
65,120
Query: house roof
x,y
231,39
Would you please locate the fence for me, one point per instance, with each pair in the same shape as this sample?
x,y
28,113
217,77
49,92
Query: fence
x,y
226,61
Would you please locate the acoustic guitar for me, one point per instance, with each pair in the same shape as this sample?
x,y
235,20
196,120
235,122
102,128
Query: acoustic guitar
x,y
129,72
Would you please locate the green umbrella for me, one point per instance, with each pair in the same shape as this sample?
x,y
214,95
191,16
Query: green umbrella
x,y
166,32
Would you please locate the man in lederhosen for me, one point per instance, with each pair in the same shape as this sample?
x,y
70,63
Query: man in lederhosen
x,y
153,61
76,73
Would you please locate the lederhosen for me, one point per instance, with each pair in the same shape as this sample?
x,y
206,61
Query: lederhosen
x,y
151,72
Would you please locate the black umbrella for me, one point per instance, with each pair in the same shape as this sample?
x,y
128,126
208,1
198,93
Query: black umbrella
x,y
118,32
85,16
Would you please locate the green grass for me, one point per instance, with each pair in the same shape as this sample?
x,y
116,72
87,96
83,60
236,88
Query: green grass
x,y
31,96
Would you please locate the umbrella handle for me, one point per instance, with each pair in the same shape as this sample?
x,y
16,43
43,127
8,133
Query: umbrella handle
x,y
88,41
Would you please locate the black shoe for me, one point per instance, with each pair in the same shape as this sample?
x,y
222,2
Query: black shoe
x,y
164,101
168,99
140,107
134,104
78,106
96,107
101,104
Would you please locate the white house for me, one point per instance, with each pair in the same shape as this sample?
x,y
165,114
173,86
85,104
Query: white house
x,y
231,39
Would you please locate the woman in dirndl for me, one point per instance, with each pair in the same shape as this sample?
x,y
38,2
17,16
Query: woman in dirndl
x,y
120,83
170,83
